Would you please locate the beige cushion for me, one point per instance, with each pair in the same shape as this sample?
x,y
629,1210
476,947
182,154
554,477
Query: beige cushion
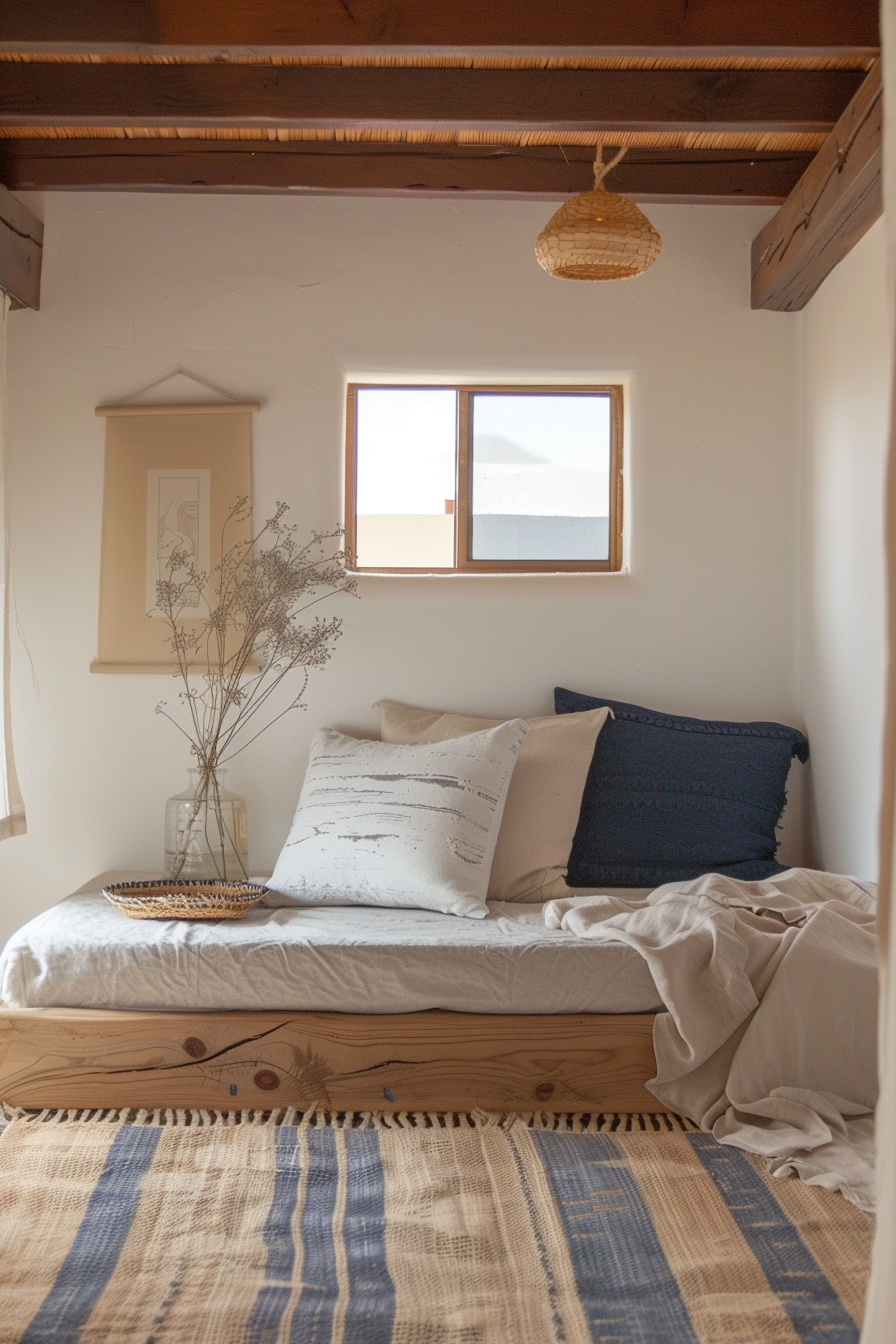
x,y
545,795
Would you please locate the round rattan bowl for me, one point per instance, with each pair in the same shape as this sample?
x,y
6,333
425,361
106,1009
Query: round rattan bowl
x,y
191,899
598,236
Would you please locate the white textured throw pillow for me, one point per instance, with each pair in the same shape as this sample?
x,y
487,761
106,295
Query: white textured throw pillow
x,y
382,824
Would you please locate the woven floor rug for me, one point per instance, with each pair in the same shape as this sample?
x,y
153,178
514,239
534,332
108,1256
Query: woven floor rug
x,y
195,1228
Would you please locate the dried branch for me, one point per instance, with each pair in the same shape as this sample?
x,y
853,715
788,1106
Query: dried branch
x,y
254,602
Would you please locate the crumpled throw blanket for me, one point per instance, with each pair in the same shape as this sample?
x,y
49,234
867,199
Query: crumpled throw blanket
x,y
769,1041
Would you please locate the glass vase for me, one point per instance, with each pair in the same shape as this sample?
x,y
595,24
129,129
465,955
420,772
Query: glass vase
x,y
206,830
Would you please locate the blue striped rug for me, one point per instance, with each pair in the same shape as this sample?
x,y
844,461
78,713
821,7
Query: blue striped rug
x,y
208,1229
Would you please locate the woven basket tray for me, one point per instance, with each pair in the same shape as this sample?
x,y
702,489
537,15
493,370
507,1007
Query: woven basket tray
x,y
192,899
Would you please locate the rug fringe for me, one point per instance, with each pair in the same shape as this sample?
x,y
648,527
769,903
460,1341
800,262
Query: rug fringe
x,y
579,1122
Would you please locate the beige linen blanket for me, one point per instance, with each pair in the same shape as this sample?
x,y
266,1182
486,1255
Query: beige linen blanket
x,y
769,1038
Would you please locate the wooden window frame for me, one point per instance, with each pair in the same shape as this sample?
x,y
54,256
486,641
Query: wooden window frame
x,y
464,480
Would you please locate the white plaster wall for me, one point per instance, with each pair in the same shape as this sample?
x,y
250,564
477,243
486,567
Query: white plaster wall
x,y
280,298
846,379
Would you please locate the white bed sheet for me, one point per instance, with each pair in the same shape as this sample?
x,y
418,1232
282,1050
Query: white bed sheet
x,y
83,953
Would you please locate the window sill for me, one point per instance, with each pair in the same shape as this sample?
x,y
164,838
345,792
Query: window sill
x,y
467,576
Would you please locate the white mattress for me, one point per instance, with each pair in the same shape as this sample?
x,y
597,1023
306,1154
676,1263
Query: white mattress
x,y
83,953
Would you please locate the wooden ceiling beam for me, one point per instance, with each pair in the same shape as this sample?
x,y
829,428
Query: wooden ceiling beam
x,y
21,251
832,206
336,97
461,27
709,176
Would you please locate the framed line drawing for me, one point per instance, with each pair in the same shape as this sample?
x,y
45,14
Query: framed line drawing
x,y
172,475
178,522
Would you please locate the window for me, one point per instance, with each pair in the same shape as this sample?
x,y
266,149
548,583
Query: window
x,y
463,479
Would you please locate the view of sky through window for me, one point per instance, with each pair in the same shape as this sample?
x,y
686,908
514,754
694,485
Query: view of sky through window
x,y
541,476
408,442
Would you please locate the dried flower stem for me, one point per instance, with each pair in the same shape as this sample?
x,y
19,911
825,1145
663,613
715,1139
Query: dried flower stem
x,y
233,658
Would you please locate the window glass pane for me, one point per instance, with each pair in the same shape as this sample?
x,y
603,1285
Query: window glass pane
x,y
405,475
541,476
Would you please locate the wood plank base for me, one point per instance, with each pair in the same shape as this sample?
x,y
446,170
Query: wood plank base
x,y
430,1061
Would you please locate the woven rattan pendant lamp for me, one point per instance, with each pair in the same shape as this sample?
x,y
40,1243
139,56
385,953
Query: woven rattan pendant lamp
x,y
598,235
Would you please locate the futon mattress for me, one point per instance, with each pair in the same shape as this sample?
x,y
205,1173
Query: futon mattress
x,y
83,953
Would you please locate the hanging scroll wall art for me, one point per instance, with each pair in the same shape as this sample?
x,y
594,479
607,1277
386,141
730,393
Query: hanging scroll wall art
x,y
173,475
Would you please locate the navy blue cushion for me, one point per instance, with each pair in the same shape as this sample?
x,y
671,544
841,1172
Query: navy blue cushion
x,y
670,798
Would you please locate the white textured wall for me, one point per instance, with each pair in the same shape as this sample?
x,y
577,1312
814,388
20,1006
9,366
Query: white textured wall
x,y
280,298
842,646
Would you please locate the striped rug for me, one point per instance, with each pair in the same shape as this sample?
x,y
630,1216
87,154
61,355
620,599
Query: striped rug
x,y
198,1228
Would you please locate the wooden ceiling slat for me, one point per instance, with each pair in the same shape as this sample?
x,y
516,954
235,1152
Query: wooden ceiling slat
x,y
377,169
803,142
860,59
449,26
212,95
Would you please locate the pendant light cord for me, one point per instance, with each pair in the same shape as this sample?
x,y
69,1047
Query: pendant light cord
x,y
600,168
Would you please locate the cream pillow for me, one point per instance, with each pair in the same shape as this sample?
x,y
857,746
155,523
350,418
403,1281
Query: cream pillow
x,y
544,798
380,824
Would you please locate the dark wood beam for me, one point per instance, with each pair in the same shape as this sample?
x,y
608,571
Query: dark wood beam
x,y
834,203
235,27
207,95
21,249
378,168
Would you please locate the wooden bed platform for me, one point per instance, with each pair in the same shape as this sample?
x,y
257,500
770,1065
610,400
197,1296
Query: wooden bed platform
x,y
428,1061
